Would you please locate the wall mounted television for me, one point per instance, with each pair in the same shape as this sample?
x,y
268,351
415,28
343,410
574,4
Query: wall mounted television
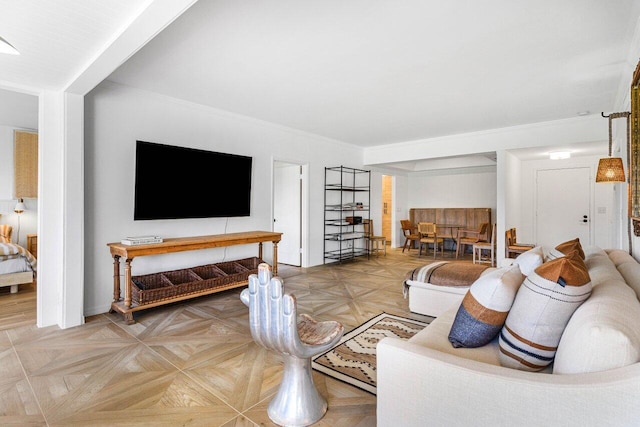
x,y
174,182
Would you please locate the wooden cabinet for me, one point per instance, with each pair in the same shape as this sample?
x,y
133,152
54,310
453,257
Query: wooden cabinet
x,y
32,244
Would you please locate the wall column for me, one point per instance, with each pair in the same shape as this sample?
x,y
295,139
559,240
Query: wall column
x,y
60,204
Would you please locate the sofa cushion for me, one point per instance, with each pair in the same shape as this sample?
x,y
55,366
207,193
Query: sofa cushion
x,y
628,267
565,248
530,260
435,336
485,306
603,334
543,305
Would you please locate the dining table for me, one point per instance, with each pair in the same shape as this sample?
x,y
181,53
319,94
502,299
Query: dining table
x,y
451,235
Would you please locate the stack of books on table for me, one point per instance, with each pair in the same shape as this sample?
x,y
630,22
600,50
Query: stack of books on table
x,y
141,240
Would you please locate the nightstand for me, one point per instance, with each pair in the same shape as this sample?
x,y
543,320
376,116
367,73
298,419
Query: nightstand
x,y
32,244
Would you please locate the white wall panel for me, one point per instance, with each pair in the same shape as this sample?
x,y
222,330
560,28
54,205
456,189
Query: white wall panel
x,y
116,116
474,188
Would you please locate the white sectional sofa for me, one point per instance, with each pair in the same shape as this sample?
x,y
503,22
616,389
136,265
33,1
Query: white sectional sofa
x,y
426,382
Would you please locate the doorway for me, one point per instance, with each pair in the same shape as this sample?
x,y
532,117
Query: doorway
x,y
563,207
387,207
287,211
19,150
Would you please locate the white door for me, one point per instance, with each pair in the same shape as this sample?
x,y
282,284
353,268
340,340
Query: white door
x,y
563,206
287,211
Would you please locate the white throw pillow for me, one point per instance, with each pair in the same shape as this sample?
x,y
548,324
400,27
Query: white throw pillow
x,y
530,260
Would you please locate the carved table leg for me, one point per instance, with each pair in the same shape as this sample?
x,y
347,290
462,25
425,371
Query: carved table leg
x,y
275,258
128,318
116,278
260,250
127,283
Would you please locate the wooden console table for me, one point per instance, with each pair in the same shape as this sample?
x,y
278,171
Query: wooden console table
x,y
180,244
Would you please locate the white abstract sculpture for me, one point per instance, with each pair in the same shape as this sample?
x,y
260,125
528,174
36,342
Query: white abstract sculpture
x,y
274,325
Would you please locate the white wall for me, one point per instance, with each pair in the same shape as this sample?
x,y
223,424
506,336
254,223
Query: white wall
x,y
554,133
459,188
116,116
6,163
401,207
513,199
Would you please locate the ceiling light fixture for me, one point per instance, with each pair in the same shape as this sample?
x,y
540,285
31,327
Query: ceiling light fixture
x,y
559,155
611,169
6,47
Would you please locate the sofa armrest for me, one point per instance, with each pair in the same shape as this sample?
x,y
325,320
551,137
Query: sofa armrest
x,y
419,386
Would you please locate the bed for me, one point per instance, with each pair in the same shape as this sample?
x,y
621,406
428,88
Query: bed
x,y
17,266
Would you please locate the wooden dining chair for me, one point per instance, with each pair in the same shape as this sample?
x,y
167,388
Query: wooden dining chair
x,y
470,237
512,247
429,236
375,244
410,232
480,248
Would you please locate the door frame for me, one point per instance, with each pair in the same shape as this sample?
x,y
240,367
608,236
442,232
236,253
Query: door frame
x,y
304,202
591,203
390,216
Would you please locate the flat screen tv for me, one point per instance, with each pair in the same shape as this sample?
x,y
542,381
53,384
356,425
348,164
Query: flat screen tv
x,y
177,182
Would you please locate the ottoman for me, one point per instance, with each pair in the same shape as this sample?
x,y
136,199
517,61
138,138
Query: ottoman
x,y
436,287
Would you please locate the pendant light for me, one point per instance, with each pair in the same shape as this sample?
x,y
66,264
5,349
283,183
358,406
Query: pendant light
x,y
611,169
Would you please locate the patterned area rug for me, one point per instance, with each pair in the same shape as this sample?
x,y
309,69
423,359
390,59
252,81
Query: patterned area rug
x,y
353,359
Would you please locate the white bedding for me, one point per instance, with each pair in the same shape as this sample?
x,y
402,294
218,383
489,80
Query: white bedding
x,y
15,265
13,252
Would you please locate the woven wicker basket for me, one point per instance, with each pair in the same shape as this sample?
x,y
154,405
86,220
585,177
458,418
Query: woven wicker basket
x,y
209,271
168,284
250,263
151,287
212,276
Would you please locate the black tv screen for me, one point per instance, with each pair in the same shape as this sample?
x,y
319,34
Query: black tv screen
x,y
177,182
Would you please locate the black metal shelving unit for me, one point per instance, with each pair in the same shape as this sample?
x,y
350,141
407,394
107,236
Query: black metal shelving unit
x,y
347,198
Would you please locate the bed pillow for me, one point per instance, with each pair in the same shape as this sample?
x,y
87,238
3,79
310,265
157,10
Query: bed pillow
x,y
530,260
542,308
484,307
566,247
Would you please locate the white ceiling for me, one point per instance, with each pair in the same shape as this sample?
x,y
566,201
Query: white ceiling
x,y
377,72
365,72
58,38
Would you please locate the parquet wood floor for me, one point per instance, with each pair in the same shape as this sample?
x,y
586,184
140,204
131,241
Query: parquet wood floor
x,y
186,364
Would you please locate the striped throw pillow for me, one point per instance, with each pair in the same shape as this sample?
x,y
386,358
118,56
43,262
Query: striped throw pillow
x,y
485,307
542,308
